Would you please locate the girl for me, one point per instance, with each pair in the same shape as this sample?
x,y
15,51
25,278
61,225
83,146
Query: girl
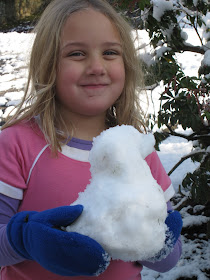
x,y
82,79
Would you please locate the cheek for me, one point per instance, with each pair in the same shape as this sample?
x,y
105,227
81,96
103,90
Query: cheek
x,y
118,75
66,76
118,78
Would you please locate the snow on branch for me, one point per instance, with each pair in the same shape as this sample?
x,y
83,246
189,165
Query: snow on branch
x,y
193,153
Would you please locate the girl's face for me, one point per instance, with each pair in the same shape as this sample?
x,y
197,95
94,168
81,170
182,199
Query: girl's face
x,y
91,73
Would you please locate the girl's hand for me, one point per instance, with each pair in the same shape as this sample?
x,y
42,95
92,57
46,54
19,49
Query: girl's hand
x,y
37,236
174,227
174,224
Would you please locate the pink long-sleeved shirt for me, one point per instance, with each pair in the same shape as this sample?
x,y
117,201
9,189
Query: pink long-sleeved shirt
x,y
30,175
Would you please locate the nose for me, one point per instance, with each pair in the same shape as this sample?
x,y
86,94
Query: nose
x,y
96,65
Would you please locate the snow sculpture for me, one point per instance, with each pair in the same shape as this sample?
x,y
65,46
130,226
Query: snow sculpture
x,y
124,207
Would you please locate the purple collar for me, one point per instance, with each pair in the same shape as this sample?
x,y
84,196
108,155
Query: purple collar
x,y
80,144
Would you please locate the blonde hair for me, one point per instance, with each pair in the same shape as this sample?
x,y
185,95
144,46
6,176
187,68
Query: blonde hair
x,y
40,89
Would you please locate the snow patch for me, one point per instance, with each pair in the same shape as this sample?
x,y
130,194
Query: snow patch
x,y
124,207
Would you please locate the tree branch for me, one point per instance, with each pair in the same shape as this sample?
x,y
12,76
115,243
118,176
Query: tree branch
x,y
189,48
190,137
184,158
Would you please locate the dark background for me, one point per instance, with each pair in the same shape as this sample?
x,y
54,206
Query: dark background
x,y
20,13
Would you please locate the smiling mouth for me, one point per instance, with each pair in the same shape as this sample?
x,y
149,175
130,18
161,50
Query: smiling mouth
x,y
95,86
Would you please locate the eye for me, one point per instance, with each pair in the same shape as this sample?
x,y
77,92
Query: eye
x,y
76,55
111,52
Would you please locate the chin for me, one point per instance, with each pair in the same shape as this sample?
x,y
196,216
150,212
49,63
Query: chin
x,y
95,111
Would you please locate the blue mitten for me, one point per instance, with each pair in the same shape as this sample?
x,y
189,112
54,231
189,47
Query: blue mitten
x,y
174,227
174,224
37,236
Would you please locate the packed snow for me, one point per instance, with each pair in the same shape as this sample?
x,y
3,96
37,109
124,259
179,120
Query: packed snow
x,y
194,263
159,8
124,207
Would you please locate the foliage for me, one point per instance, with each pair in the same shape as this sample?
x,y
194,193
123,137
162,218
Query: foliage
x,y
198,183
185,100
20,15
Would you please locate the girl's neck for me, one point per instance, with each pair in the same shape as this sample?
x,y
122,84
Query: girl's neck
x,y
86,128
88,133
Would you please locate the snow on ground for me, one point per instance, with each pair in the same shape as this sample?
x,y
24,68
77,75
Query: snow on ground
x,y
14,50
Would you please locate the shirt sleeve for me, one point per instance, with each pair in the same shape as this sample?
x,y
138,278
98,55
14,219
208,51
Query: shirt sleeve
x,y
12,164
8,208
160,175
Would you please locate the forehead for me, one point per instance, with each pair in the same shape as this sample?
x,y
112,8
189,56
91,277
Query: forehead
x,y
89,25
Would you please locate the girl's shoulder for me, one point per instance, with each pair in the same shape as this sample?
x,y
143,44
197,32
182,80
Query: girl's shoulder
x,y
24,130
25,135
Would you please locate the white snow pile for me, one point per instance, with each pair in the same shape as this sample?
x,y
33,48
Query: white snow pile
x,y
124,207
159,8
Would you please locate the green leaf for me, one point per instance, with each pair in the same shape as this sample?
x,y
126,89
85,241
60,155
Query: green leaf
x,y
142,4
207,115
164,97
